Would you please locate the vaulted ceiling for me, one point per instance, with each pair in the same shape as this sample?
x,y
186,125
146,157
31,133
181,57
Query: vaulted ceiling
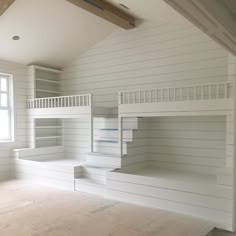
x,y
217,18
54,32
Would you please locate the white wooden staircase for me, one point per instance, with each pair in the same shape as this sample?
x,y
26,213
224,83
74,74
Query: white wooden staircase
x,y
106,155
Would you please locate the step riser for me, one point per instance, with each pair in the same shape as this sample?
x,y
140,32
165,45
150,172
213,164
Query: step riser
x,y
104,161
129,126
104,123
113,134
98,179
109,144
107,140
114,150
95,170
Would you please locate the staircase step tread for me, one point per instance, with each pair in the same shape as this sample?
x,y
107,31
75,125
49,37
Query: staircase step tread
x,y
97,167
107,138
104,154
108,141
114,129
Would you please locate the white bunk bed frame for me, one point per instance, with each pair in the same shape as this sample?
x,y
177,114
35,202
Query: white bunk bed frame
x,y
72,106
33,162
203,99
194,100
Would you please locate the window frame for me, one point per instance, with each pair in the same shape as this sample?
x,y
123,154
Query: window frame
x,y
9,107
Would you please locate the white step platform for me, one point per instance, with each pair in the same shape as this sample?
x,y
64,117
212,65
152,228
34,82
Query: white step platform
x,y
111,134
104,159
92,179
188,193
108,146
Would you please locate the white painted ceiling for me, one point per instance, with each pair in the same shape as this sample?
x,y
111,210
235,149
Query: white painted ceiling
x,y
54,32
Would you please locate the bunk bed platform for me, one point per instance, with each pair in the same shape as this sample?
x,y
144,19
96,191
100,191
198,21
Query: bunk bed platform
x,y
183,192
47,166
203,99
74,112
73,106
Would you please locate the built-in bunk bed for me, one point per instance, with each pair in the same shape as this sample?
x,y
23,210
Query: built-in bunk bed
x,y
205,192
44,159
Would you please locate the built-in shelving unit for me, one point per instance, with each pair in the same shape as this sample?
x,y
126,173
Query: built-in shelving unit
x,y
48,132
46,82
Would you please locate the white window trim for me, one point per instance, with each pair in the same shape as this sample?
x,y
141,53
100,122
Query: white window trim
x,y
10,108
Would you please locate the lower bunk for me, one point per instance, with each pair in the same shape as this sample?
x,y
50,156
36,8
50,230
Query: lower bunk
x,y
193,194
196,194
47,166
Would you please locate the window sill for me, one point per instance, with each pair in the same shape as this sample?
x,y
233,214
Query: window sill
x,y
6,141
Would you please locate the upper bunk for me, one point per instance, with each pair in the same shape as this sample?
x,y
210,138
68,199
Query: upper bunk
x,y
61,106
199,99
48,101
73,106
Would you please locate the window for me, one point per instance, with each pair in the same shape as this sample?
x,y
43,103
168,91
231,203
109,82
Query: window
x,y
6,108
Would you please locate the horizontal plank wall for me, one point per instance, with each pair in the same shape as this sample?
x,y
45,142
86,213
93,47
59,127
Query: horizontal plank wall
x,y
21,130
146,57
76,138
195,144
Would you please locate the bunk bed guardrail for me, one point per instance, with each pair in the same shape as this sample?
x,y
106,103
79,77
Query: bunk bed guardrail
x,y
60,101
175,94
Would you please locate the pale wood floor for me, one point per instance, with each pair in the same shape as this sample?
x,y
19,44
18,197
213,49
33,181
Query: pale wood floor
x,y
33,210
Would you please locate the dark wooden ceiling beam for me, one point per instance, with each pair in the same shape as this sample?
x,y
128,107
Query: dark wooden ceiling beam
x,y
106,11
4,5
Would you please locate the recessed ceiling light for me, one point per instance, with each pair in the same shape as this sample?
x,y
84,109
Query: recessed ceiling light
x,y
16,37
124,6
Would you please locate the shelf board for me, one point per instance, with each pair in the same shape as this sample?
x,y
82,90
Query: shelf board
x,y
48,137
46,69
48,81
47,91
48,127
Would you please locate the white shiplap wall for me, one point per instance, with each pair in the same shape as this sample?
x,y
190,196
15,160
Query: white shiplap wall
x,y
195,144
146,57
21,136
